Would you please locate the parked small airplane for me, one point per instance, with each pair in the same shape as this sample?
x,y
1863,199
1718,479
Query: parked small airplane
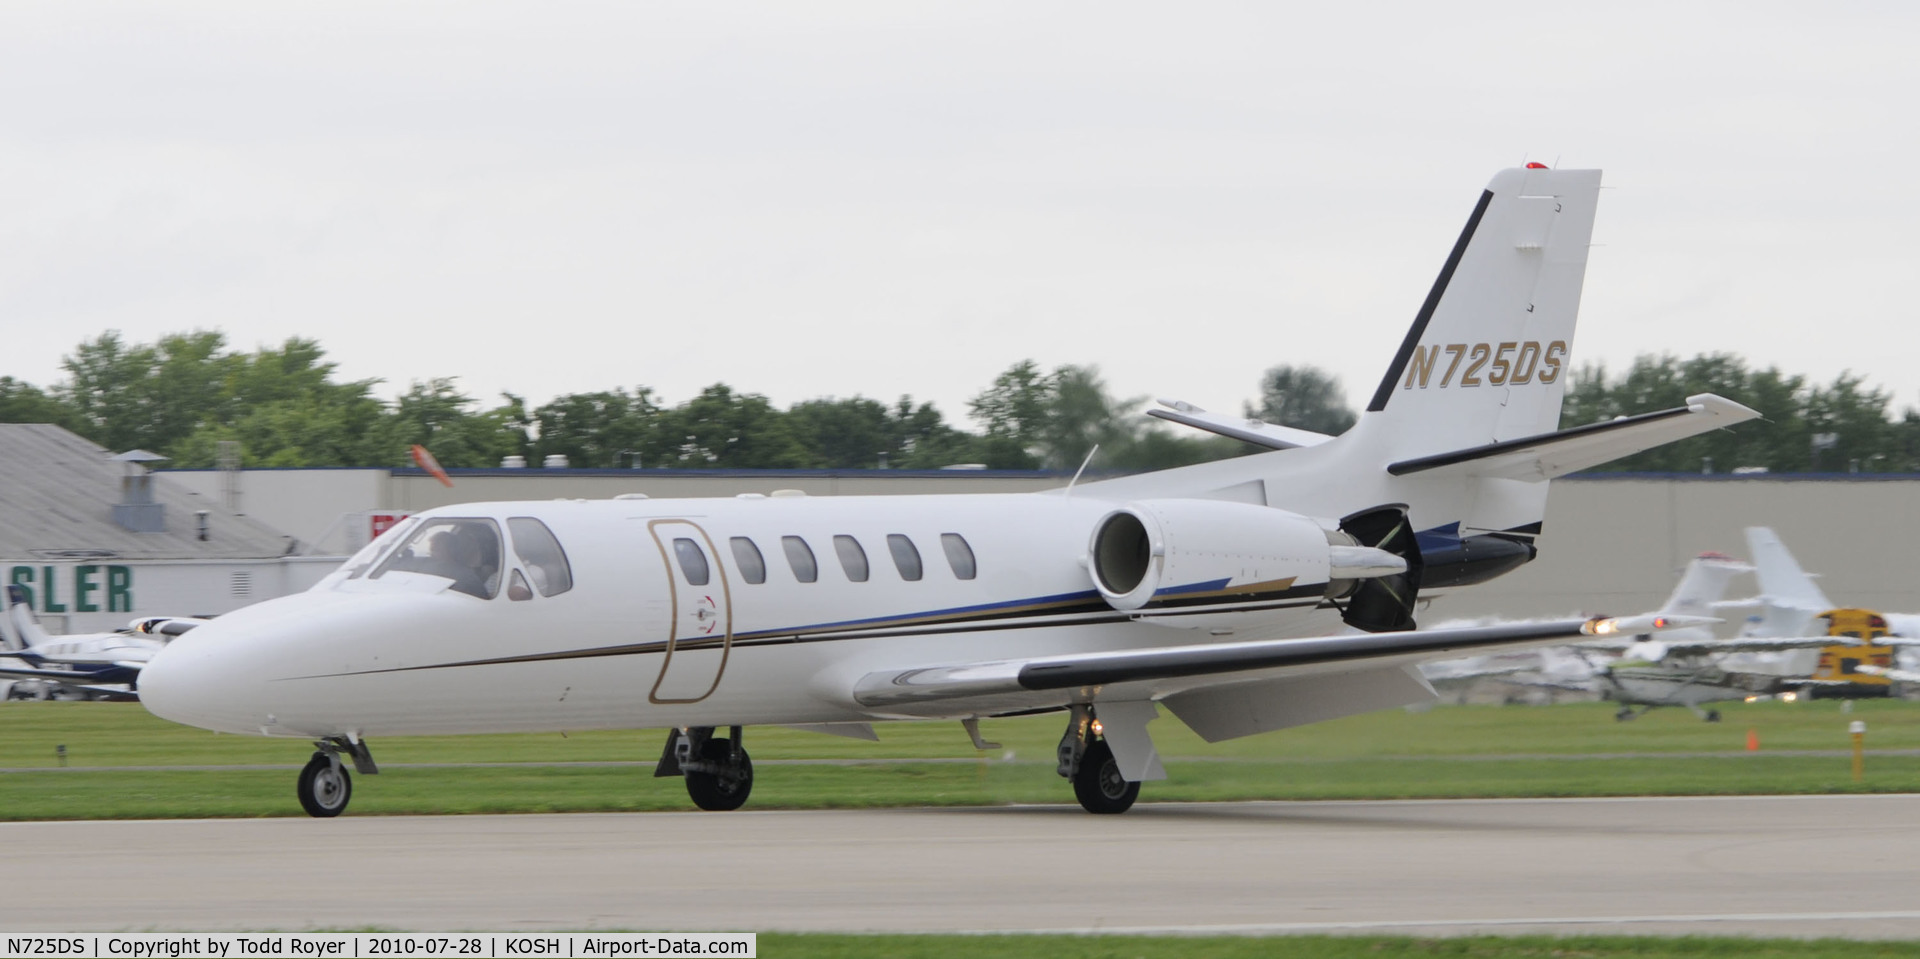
x,y
1791,604
1846,650
1641,672
105,664
1217,590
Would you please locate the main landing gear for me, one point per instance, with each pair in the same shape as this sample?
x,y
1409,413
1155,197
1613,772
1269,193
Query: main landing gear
x,y
719,773
325,785
1087,761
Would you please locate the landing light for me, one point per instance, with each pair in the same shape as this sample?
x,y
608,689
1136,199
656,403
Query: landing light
x,y
1097,727
1789,697
1601,627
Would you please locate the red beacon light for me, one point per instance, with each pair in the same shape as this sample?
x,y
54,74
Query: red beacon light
x,y
1536,166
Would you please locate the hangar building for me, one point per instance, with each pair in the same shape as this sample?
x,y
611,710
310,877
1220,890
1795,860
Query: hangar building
x,y
96,539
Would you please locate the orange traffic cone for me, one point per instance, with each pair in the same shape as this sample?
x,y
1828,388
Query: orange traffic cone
x,y
1753,740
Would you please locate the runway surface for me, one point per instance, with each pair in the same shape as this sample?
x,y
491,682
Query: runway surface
x,y
1794,866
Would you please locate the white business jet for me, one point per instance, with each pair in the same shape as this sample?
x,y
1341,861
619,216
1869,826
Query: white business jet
x,y
1216,590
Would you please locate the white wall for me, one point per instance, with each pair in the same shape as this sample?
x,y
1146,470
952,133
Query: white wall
x,y
307,504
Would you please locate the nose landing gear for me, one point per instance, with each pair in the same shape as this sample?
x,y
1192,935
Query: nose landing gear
x,y
719,773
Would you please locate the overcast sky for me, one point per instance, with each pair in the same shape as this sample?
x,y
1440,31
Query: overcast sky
x,y
809,199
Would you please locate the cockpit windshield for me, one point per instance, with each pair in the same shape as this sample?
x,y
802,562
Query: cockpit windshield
x,y
357,565
465,550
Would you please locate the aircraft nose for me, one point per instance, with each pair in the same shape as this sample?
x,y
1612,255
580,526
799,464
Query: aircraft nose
x,y
190,683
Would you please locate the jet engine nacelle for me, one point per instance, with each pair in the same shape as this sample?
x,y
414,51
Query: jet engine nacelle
x,y
1152,553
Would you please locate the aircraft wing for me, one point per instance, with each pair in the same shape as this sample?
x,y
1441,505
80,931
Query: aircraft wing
x,y
1219,663
1549,455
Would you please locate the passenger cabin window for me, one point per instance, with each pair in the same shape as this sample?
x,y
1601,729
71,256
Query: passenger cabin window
x,y
541,554
906,558
693,562
464,550
853,559
746,556
800,557
959,555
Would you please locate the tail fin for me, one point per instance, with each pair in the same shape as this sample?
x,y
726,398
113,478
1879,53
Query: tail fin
x,y
18,627
1788,597
1462,430
1703,584
1487,357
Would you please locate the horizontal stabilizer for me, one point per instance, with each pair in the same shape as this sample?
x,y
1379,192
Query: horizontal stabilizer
x,y
901,687
1238,427
1549,455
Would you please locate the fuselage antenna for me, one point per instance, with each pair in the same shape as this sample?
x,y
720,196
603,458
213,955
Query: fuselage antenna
x,y
1082,469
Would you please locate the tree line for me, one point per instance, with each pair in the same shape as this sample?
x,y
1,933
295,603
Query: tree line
x,y
185,394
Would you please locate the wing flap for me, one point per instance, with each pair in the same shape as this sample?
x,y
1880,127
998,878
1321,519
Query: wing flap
x,y
1243,709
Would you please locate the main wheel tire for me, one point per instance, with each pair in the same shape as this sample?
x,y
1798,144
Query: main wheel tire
x,y
324,787
1713,715
716,793
1098,783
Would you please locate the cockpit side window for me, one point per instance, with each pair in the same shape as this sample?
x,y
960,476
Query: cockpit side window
x,y
541,554
465,550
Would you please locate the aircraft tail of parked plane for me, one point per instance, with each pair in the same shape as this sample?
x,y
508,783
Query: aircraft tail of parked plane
x,y
1703,584
18,628
1789,599
1216,590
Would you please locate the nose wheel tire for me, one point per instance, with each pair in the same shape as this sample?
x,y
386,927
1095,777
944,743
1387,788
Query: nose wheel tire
x,y
723,791
1098,783
324,787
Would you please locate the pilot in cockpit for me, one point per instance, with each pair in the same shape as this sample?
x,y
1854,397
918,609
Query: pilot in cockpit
x,y
469,556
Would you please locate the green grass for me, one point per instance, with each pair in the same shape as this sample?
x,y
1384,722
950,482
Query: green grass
x,y
787,946
1457,751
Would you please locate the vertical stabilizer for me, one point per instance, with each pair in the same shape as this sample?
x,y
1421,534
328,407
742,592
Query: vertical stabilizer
x,y
1703,584
18,627
1488,355
1788,599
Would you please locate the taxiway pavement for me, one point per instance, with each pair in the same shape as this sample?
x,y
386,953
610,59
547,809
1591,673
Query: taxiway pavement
x,y
1786,865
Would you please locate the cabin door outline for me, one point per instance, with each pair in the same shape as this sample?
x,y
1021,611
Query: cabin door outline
x,y
697,614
